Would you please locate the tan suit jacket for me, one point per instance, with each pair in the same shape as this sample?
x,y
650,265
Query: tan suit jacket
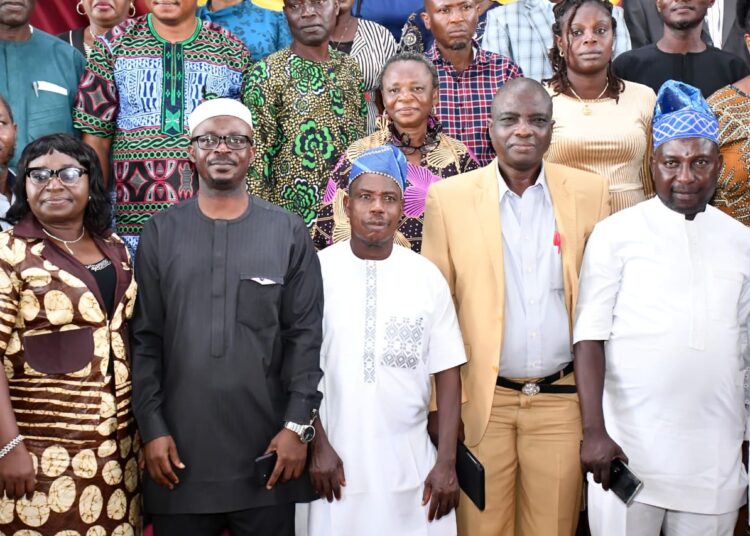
x,y
463,237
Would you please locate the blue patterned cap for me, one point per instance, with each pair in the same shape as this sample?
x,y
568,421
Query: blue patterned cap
x,y
385,160
682,112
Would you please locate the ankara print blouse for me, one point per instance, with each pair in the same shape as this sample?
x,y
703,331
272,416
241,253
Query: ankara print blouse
x,y
68,373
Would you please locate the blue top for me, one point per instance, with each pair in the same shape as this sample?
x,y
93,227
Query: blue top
x,y
263,31
39,79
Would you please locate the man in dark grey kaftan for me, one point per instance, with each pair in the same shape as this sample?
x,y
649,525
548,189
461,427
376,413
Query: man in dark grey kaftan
x,y
226,344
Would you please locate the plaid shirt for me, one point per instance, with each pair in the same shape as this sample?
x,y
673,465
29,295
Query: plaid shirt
x,y
466,97
522,31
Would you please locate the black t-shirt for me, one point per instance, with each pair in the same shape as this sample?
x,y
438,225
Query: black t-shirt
x,y
709,70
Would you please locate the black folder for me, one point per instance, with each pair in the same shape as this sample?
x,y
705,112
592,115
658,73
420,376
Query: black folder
x,y
470,475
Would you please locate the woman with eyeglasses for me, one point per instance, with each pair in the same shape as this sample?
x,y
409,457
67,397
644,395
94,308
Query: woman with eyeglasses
x,y
68,443
409,85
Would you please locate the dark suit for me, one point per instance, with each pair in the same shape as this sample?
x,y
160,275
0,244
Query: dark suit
x,y
646,26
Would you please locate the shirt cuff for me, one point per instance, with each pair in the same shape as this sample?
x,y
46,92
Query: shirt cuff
x,y
152,427
300,409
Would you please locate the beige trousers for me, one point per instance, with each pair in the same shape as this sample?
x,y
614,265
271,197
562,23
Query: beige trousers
x,y
530,453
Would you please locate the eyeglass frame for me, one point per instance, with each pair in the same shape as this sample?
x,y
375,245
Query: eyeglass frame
x,y
223,139
56,173
315,5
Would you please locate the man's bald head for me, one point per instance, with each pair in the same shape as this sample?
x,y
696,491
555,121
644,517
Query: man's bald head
x,y
507,96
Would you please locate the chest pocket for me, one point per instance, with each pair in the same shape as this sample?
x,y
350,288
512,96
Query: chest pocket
x,y
49,112
61,352
259,300
403,342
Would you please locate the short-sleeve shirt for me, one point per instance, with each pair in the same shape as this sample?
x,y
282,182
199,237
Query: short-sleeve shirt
x,y
138,90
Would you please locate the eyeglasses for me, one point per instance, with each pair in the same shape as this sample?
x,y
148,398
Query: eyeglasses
x,y
424,149
297,6
67,175
235,142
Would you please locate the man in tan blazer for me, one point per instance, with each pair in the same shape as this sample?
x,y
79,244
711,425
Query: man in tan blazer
x,y
509,239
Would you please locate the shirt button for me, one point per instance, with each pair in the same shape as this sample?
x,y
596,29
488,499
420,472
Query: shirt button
x,y
531,302
528,270
533,334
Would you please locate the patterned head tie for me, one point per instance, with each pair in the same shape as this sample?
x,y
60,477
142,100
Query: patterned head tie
x,y
215,108
682,112
385,160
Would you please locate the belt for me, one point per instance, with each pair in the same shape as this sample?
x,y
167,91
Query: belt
x,y
544,385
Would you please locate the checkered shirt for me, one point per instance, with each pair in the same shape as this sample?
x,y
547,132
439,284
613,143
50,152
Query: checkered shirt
x,y
466,97
522,31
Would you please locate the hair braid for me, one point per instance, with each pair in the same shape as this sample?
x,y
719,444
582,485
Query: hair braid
x,y
565,12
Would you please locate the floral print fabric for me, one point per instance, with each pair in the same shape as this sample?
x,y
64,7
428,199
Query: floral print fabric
x,y
306,113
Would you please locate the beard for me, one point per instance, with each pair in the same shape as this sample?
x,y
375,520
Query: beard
x,y
459,46
685,24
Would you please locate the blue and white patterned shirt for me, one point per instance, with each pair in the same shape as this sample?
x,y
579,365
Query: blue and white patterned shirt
x,y
263,31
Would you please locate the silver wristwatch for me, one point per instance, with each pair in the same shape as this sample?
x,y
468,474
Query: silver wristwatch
x,y
306,432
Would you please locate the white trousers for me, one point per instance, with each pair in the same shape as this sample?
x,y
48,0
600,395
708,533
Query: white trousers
x,y
608,516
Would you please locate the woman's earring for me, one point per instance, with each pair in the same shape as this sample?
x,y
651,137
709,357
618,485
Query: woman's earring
x,y
132,10
562,54
79,8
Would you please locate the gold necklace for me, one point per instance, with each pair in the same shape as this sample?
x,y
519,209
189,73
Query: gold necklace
x,y
65,242
586,109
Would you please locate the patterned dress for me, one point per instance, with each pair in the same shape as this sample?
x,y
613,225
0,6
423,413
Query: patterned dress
x,y
732,108
306,114
450,157
139,90
68,373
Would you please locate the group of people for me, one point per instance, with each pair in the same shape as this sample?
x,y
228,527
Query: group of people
x,y
263,272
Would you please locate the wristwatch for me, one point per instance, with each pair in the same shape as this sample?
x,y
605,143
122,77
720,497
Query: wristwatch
x,y
306,432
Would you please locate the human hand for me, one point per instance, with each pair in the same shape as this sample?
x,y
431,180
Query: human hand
x,y
291,456
17,477
326,471
161,454
441,490
597,452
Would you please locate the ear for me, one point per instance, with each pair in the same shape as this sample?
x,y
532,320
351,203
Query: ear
x,y
559,42
426,20
347,202
191,153
746,37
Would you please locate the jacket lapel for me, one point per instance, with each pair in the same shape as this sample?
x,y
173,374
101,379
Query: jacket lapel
x,y
563,202
29,227
487,205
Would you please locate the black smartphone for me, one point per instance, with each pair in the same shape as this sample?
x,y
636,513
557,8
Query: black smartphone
x,y
623,482
263,468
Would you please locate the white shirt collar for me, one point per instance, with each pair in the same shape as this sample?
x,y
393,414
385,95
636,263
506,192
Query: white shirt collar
x,y
540,181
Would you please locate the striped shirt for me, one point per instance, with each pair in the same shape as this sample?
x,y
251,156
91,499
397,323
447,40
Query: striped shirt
x,y
373,45
466,97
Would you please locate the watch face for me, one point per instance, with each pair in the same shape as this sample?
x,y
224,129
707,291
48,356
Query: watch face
x,y
308,434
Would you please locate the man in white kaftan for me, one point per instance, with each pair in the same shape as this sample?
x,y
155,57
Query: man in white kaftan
x,y
666,286
389,326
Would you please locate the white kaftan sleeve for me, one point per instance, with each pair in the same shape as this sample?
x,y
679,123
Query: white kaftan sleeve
x,y
601,274
445,346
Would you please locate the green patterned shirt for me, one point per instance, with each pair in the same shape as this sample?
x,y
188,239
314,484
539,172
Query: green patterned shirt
x,y
306,114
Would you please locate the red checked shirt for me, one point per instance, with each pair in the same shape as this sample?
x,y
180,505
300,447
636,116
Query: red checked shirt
x,y
466,97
